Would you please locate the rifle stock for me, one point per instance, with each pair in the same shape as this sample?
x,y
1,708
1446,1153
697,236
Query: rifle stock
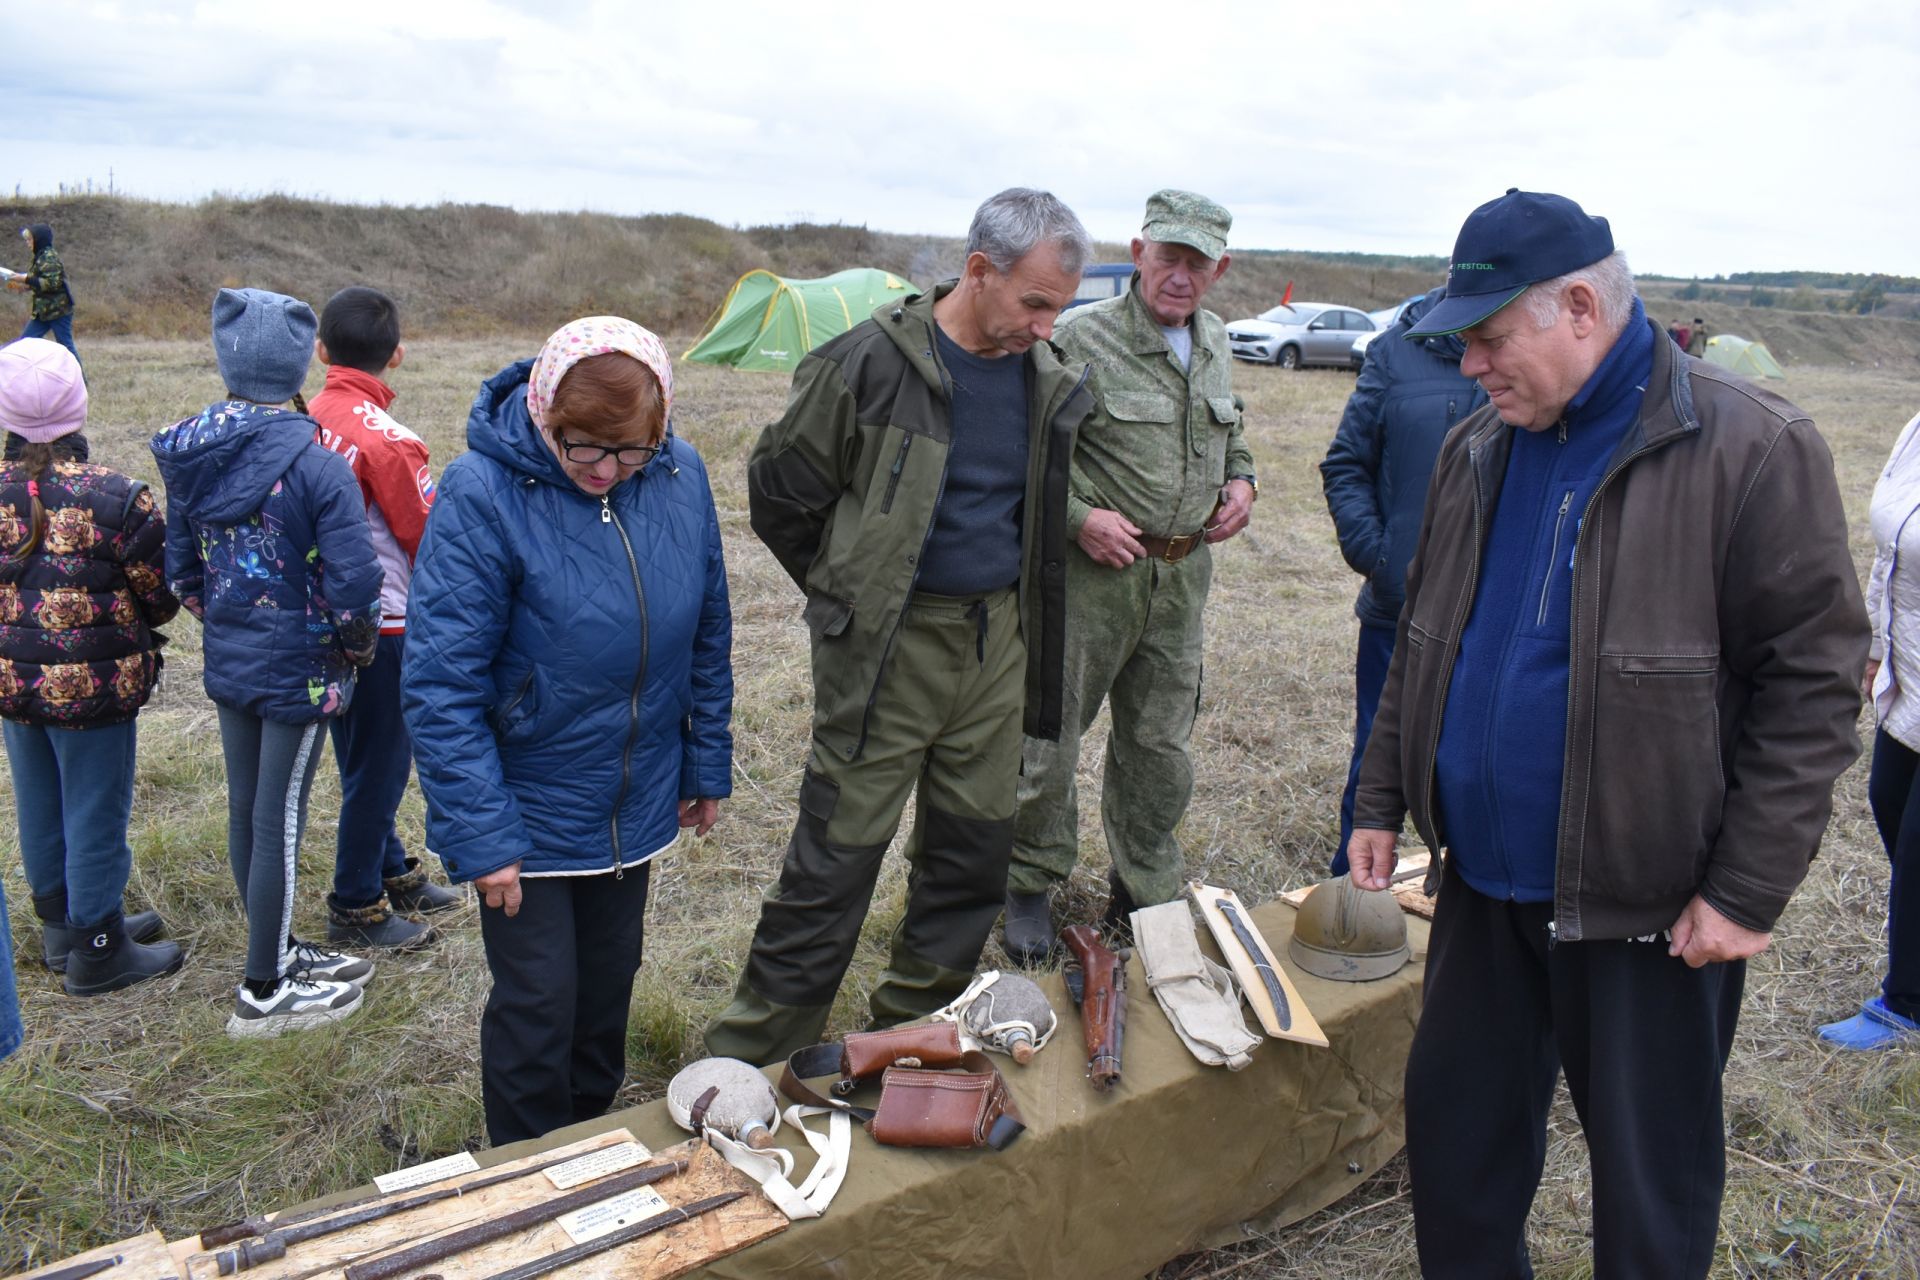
x,y
1102,996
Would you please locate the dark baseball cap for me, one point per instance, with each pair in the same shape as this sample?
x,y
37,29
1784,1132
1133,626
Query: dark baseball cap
x,y
1505,245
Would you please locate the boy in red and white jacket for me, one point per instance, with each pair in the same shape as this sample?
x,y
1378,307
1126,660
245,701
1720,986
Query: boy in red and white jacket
x,y
373,877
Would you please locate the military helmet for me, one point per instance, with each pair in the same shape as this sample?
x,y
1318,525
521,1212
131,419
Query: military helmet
x,y
1348,934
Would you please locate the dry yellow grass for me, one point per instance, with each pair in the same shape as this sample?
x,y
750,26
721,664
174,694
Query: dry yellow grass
x,y
134,1110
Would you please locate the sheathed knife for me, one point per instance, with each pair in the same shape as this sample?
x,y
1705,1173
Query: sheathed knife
x,y
1244,935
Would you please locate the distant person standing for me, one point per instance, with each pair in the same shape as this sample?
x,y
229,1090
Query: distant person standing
x,y
267,544
1409,394
46,279
1680,333
1697,338
373,878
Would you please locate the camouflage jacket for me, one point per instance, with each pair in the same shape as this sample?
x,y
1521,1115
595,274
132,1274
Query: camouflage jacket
x,y
77,646
1163,439
47,278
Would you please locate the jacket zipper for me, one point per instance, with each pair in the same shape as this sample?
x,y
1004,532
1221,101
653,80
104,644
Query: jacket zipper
x,y
639,680
1573,641
1553,558
1453,651
893,476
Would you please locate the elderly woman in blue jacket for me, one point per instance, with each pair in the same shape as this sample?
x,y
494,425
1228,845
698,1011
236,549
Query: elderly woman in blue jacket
x,y
568,687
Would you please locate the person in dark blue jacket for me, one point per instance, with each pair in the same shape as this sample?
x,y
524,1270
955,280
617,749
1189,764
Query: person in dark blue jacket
x,y
268,545
1409,395
569,687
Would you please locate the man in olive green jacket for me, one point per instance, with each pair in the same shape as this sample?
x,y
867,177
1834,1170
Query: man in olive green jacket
x,y
1160,471
916,490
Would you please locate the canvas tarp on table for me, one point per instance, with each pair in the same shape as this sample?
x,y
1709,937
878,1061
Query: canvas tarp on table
x,y
1105,1186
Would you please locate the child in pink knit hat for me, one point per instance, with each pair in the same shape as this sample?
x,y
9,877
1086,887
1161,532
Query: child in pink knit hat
x,y
82,585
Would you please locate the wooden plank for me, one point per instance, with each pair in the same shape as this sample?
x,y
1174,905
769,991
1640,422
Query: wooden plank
x,y
327,1255
1407,875
1303,1026
671,1252
142,1257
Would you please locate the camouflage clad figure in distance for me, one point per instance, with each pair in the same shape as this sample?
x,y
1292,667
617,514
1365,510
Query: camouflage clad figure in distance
x,y
916,491
1160,472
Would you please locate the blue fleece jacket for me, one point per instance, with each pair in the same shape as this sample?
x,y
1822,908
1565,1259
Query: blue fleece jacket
x,y
1502,752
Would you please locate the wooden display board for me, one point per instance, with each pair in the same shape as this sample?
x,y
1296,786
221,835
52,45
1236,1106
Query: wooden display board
x,y
141,1258
1302,1025
1407,875
670,1252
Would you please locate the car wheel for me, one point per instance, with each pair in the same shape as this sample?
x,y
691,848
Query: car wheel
x,y
1288,357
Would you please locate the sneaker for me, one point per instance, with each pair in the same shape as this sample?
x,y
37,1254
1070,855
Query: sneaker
x,y
297,1004
304,960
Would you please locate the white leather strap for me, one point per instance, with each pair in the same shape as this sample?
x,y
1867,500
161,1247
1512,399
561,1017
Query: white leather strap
x,y
773,1168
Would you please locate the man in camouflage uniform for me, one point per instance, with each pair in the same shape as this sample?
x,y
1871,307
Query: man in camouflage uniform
x,y
1160,471
46,280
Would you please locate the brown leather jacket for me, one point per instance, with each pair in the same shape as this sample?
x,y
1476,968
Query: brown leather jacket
x,y
1718,642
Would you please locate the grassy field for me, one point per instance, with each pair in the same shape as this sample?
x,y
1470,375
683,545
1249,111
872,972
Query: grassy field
x,y
134,1110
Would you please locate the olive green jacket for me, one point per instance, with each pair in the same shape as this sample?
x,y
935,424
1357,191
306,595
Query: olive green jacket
x,y
844,487
1164,439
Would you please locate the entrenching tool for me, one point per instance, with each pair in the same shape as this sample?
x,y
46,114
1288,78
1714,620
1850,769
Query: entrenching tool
x,y
428,1252
614,1239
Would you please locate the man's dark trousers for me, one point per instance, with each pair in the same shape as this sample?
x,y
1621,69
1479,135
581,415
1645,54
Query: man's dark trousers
x,y
1371,660
371,746
553,1038
1643,1039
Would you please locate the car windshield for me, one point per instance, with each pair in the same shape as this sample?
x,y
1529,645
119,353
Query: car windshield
x,y
1288,315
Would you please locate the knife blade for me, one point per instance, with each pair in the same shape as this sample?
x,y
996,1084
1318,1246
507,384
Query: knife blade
x,y
1268,978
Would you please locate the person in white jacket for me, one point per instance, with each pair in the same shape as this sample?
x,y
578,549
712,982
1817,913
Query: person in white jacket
x,y
1893,783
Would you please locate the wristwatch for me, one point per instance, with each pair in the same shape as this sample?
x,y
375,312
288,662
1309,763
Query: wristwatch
x,y
1251,483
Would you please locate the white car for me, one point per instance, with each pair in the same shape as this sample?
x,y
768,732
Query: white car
x,y
1303,333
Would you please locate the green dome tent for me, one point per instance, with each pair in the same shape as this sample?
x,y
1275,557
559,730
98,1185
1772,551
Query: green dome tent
x,y
1743,356
768,322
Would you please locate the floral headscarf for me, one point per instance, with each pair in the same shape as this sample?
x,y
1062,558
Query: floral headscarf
x,y
595,336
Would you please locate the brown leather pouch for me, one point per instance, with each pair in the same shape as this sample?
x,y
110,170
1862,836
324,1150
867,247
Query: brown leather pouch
x,y
920,1108
867,1053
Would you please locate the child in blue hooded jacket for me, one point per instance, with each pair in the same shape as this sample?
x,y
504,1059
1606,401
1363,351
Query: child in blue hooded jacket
x,y
268,545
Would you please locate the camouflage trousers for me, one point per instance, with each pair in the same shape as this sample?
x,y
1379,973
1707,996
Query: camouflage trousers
x,y
944,731
1133,641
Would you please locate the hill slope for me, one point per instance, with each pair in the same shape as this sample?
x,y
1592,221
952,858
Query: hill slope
x,y
149,269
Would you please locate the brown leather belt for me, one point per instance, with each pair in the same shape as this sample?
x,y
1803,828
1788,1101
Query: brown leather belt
x,y
1172,550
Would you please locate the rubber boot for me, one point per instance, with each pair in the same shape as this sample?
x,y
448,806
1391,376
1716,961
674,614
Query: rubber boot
x,y
412,893
1028,936
106,958
57,937
375,926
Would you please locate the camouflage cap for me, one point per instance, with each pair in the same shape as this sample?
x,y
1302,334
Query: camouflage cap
x,y
1185,217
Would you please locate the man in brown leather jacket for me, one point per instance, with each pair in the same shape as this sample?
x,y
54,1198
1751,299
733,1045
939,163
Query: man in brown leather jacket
x,y
1626,677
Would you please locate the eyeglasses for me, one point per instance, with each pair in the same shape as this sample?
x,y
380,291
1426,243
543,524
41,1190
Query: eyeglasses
x,y
627,455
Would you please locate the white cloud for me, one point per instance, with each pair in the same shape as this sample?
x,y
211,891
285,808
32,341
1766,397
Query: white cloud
x,y
1719,138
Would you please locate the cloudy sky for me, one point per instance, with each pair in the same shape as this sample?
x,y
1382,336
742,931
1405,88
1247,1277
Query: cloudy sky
x,y
1715,137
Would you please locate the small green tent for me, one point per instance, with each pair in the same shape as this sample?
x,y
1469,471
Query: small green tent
x,y
1743,356
767,322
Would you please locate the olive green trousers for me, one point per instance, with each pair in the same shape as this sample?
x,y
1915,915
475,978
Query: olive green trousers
x,y
944,728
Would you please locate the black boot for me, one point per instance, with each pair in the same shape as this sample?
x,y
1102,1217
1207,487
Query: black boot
x,y
106,958
1028,936
375,926
411,892
57,937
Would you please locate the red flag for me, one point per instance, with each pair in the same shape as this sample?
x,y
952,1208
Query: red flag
x,y
1287,297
